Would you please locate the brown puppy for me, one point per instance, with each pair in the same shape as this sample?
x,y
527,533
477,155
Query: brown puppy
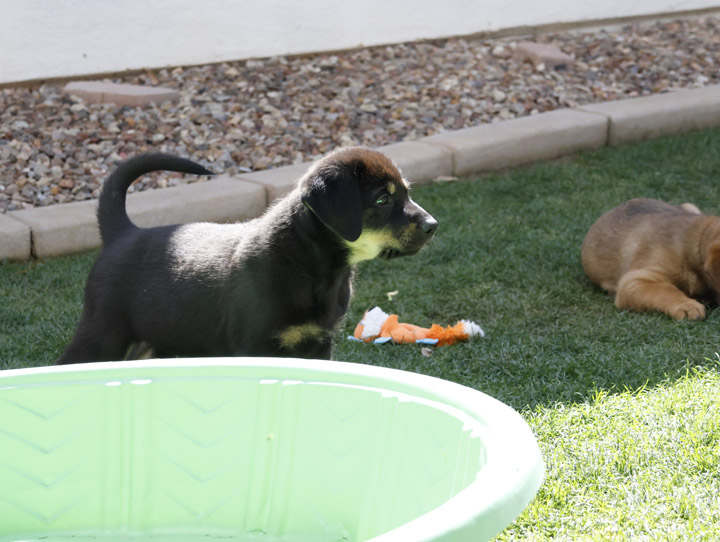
x,y
655,257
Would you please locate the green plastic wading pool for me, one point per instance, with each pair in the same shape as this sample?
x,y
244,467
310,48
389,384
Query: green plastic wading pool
x,y
250,449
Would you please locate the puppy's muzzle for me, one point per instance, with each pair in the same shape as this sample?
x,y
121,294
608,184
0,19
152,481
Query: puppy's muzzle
x,y
420,228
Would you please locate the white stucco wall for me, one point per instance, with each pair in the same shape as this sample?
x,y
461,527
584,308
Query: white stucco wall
x,y
58,38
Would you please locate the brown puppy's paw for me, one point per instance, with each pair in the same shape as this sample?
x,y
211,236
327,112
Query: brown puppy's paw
x,y
690,208
690,309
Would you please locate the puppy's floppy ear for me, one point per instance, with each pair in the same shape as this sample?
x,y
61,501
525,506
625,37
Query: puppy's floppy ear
x,y
333,194
712,265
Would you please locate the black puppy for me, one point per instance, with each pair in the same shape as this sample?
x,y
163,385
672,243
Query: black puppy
x,y
277,285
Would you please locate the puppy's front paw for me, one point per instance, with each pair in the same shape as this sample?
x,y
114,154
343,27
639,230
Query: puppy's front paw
x,y
690,309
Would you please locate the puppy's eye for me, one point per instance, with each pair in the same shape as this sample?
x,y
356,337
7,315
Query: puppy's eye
x,y
383,200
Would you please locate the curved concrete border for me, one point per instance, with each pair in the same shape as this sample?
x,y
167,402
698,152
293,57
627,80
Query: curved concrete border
x,y
63,229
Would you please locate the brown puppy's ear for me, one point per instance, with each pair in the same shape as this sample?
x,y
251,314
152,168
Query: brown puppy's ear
x,y
712,265
333,194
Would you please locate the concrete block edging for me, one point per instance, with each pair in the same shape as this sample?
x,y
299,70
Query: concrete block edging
x,y
650,117
66,228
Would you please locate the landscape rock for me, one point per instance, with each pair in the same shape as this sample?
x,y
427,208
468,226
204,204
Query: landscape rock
x,y
245,116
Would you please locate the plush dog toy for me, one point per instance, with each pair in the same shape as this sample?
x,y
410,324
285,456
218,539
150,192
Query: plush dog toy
x,y
379,327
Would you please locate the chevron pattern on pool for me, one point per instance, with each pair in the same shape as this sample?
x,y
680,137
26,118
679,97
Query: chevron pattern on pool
x,y
226,455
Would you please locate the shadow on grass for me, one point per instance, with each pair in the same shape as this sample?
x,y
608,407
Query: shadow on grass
x,y
507,255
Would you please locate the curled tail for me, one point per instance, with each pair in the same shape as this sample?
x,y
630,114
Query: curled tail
x,y
111,213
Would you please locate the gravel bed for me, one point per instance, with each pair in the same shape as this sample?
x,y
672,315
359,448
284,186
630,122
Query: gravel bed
x,y
256,114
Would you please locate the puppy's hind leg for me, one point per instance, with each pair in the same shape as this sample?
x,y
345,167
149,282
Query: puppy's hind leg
x,y
647,290
95,343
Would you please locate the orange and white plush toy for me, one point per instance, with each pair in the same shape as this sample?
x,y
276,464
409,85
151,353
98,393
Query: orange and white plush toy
x,y
379,327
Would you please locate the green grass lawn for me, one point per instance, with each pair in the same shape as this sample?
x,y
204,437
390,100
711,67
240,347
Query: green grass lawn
x,y
624,405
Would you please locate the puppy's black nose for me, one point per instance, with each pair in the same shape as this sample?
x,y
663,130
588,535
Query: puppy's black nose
x,y
429,225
